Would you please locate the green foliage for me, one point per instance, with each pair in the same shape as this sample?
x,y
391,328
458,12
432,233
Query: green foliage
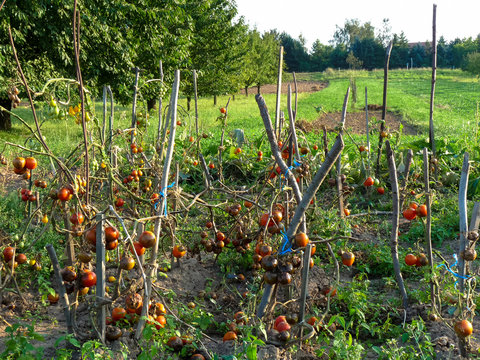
x,y
415,344
261,61
473,63
19,344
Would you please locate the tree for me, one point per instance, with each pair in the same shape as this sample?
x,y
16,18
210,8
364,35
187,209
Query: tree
x,y
217,47
399,56
473,63
261,61
460,50
352,30
296,56
443,53
384,35
115,36
338,57
418,54
369,51
320,56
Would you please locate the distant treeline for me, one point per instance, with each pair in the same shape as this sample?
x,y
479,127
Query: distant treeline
x,y
357,45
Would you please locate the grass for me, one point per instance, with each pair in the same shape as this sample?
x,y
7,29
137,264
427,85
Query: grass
x,y
457,96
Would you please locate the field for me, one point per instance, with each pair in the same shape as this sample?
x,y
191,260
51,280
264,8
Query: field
x,y
220,232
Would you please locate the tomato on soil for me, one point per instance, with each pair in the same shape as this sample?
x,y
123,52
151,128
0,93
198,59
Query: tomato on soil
x,y
348,258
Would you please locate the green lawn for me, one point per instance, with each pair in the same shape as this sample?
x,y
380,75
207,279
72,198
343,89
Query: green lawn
x,y
457,95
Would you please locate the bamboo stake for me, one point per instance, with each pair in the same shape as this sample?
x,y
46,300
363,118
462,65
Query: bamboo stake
x,y
160,107
395,220
339,160
100,271
163,187
367,129
305,271
406,173
195,94
292,123
462,208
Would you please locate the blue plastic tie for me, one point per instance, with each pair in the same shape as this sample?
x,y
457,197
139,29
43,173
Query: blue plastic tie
x,y
285,243
296,163
453,272
162,194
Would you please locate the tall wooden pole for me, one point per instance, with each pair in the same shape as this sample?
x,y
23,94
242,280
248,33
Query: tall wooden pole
x,y
431,135
384,109
279,92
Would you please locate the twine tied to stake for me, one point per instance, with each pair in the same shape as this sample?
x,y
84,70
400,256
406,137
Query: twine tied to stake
x,y
162,193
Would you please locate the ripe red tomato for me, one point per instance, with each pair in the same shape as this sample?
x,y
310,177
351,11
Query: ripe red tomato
x,y
278,320
282,326
409,214
111,234
118,313
223,110
178,251
30,163
8,253
64,194
119,202
211,165
421,211
410,259
346,212
381,190
368,181
139,249
89,279
76,218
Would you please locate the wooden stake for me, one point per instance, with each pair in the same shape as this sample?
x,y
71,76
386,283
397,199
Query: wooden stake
x,y
431,135
395,221
428,227
279,91
384,110
61,288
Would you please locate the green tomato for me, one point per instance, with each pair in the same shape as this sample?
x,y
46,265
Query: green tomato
x,y
376,182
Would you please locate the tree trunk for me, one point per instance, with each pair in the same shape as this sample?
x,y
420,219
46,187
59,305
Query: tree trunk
x,y
5,121
246,90
151,104
188,102
215,100
258,88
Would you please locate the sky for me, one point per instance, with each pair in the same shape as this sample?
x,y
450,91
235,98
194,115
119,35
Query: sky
x,y
316,19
